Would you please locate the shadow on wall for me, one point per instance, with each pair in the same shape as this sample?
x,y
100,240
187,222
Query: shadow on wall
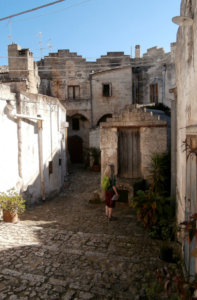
x,y
54,176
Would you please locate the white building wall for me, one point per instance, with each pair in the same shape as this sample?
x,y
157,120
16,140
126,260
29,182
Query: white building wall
x,y
26,132
8,150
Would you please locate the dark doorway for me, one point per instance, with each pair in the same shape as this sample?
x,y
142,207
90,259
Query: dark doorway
x,y
75,148
104,118
129,153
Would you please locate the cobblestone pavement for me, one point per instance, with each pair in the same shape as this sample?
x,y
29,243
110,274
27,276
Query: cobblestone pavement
x,y
66,249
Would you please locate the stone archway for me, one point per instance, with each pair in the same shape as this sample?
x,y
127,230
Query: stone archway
x,y
78,137
103,118
75,148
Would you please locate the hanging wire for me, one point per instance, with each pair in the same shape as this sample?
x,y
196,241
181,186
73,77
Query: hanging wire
x,y
30,10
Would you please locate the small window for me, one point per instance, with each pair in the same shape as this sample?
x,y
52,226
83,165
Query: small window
x,y
50,167
73,92
75,124
60,161
154,93
107,91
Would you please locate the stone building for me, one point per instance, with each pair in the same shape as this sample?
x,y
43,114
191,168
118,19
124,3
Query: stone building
x,y
22,71
128,140
94,91
33,131
153,76
186,78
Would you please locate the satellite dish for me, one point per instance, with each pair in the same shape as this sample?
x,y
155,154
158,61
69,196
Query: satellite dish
x,y
182,21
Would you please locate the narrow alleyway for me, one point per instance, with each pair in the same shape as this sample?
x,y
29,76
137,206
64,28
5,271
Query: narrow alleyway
x,y
66,249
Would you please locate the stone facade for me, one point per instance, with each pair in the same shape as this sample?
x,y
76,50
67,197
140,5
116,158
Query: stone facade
x,y
118,93
143,135
153,76
22,74
93,91
186,74
33,135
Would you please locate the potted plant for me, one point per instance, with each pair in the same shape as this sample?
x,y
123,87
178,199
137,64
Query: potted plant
x,y
166,252
12,204
95,154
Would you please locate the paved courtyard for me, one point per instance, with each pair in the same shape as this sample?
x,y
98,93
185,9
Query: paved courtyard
x,y
66,249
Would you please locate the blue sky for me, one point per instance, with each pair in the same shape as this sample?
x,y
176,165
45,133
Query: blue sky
x,y
89,27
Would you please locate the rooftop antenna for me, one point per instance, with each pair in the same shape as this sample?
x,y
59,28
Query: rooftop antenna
x,y
10,30
131,51
49,45
40,43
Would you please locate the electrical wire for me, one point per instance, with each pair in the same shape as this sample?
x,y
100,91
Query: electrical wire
x,y
56,11
30,10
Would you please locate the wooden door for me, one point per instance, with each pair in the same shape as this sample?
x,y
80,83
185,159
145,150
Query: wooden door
x,y
129,153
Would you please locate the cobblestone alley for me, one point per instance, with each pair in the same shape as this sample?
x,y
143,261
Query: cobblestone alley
x,y
66,249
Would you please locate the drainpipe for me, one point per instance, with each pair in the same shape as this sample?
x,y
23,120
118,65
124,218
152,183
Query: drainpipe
x,y
18,109
19,116
155,91
51,133
163,83
91,96
40,147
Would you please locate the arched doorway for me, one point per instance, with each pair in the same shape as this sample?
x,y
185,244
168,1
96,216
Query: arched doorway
x,y
75,148
78,137
104,118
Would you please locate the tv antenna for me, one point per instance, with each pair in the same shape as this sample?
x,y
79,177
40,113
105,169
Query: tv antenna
x,y
10,30
40,43
49,45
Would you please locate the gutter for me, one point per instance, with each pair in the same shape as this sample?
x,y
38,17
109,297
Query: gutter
x,y
12,113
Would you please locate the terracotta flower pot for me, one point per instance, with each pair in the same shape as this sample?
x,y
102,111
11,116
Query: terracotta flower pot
x,y
11,217
96,168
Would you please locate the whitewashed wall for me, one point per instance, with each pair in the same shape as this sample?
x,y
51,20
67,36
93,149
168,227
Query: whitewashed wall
x,y
54,129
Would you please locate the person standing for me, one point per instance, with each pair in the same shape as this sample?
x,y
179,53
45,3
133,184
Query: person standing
x,y
111,191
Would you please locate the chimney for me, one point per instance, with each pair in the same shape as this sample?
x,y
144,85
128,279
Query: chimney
x,y
137,51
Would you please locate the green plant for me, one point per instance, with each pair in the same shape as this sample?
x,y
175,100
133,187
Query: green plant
x,y
152,208
140,185
95,153
160,173
175,283
12,201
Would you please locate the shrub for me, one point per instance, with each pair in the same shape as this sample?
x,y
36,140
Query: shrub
x,y
12,201
160,171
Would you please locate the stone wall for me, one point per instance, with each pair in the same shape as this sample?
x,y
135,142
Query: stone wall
x,y
95,138
8,151
153,140
120,81
186,74
153,137
22,68
33,132
155,68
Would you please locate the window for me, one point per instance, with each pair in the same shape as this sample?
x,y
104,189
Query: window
x,y
73,91
107,90
75,124
154,93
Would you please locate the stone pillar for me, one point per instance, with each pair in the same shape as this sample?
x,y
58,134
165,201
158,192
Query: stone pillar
x,y
109,148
